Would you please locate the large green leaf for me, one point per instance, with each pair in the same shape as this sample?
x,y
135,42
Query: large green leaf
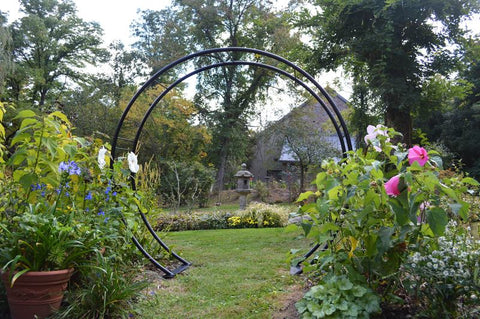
x,y
384,241
437,218
400,207
24,114
304,196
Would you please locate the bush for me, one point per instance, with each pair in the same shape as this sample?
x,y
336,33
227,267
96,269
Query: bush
x,y
185,184
443,275
260,215
256,215
377,207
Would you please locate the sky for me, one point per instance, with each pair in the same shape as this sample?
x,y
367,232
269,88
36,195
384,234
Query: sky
x,y
114,16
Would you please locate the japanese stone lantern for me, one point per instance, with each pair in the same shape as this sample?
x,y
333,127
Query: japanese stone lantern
x,y
243,185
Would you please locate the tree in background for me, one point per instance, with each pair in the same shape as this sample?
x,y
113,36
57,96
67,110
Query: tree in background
x,y
6,64
308,145
226,97
456,120
51,44
400,44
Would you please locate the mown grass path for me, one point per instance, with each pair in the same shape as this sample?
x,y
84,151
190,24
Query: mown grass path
x,y
236,273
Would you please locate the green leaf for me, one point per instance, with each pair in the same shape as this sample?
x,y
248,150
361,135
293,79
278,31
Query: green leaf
x,y
344,284
28,122
448,191
307,227
17,275
328,308
400,156
60,115
28,180
334,192
400,206
22,137
370,244
437,218
359,291
309,208
320,178
470,181
460,209
437,160
328,227
304,196
384,241
24,114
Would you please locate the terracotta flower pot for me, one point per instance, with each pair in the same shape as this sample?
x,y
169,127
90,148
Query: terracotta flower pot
x,y
36,293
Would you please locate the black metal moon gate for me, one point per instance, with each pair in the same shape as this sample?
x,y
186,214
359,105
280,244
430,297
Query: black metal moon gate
x,y
131,144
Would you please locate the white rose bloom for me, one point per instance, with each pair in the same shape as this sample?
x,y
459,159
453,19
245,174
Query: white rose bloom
x,y
101,157
132,162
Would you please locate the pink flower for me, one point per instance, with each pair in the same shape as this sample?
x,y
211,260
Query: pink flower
x,y
424,206
373,132
391,187
417,154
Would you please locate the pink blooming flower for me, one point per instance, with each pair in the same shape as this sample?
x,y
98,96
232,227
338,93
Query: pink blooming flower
x,y
417,154
391,187
373,132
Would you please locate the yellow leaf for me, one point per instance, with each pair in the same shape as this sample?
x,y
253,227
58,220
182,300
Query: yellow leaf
x,y
353,246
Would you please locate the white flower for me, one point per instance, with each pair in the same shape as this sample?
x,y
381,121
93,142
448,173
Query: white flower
x,y
101,157
132,162
373,132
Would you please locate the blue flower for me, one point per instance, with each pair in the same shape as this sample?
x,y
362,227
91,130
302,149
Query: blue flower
x,y
88,196
36,187
101,213
114,193
70,167
106,219
107,190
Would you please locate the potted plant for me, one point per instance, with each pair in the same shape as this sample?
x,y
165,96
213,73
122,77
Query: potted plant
x,y
58,196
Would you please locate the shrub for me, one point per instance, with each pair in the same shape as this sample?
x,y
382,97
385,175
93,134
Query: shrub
x,y
256,215
185,184
443,274
260,215
338,298
378,206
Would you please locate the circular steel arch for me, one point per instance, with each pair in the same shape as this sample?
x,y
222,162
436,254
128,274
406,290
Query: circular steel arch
x,y
341,130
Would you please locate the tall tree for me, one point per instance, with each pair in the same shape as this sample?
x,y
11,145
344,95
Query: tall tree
x,y
51,45
6,64
401,43
225,96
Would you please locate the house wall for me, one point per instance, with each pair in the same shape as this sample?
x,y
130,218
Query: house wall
x,y
265,165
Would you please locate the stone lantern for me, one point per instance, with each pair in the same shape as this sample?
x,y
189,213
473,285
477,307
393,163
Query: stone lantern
x,y
243,185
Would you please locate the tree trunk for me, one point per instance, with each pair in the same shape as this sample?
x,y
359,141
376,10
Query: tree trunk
x,y
401,121
302,177
219,179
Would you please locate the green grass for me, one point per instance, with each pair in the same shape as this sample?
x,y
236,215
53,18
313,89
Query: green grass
x,y
239,273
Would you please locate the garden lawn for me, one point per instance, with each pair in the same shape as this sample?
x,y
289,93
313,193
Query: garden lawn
x,y
236,273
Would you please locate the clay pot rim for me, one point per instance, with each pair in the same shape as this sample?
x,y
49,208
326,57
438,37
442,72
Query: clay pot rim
x,y
39,273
